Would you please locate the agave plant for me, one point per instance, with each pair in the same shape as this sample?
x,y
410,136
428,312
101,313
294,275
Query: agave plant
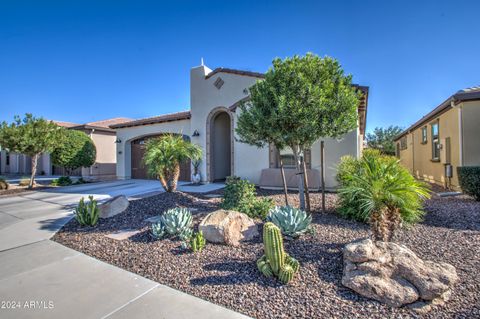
x,y
292,222
174,222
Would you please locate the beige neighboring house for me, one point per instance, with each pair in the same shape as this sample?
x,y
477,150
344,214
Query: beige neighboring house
x,y
102,136
210,123
444,139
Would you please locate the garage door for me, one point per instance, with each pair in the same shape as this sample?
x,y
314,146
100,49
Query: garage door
x,y
139,171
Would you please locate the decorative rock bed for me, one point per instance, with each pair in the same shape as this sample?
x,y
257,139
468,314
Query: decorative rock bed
x,y
228,276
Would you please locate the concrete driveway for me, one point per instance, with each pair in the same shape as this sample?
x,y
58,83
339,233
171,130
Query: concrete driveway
x,y
42,279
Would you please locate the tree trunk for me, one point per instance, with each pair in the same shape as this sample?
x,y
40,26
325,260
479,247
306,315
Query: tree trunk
x,y
322,163
285,190
301,194
305,181
34,171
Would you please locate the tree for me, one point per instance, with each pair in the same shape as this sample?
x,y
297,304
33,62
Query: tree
x,y
163,156
77,150
31,136
305,98
382,139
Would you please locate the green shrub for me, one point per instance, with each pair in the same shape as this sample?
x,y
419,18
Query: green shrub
x,y
469,178
239,194
381,191
293,222
87,214
3,184
197,242
62,181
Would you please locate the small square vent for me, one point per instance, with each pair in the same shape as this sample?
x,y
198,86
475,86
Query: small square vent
x,y
218,83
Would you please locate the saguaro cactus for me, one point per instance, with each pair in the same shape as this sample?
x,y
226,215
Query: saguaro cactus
x,y
276,261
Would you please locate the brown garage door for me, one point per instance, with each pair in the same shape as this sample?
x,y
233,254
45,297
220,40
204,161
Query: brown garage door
x,y
139,171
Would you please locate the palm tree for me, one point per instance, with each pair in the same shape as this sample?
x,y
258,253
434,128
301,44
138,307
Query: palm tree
x,y
385,194
163,156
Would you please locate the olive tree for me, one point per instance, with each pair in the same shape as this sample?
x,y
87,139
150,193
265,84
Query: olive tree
x,y
77,150
30,136
307,98
382,139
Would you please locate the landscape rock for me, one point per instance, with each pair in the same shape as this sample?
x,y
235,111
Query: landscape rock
x,y
114,206
394,275
228,227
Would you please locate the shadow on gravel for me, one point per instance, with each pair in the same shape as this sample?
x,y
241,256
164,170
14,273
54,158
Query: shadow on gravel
x,y
457,213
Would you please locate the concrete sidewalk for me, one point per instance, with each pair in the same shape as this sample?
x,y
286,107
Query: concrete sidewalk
x,y
43,279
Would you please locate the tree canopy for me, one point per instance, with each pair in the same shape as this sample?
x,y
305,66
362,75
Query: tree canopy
x,y
382,139
30,136
77,150
300,100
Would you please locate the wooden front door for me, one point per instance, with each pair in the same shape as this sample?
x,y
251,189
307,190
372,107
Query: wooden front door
x,y
140,171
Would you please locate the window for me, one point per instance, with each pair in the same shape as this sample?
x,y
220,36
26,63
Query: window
x,y
403,143
7,159
435,142
286,155
424,135
398,150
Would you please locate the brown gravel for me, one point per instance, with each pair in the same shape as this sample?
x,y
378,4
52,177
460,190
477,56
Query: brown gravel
x,y
228,276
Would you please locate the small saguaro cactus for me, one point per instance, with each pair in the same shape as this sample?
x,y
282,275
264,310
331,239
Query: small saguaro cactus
x,y
276,261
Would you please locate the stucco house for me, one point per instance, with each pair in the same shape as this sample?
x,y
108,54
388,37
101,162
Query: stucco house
x,y
102,136
447,137
210,123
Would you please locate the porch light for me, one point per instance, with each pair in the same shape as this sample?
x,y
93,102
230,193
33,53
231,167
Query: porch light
x,y
118,141
196,133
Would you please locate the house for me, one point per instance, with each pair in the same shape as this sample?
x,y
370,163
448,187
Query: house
x,y
210,123
102,136
447,137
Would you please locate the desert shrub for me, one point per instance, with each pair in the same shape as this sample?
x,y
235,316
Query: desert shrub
x,y
3,183
382,192
469,178
87,214
24,181
62,181
239,194
293,222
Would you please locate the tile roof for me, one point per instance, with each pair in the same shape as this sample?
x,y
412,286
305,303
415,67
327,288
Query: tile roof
x,y
65,124
235,71
184,115
108,122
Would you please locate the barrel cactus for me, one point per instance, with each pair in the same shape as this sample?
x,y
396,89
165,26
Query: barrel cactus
x,y
276,261
197,242
292,222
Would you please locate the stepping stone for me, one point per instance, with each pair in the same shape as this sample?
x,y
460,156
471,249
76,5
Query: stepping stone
x,y
446,194
213,196
123,234
153,219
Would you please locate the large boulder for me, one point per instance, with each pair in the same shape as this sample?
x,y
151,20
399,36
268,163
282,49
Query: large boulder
x,y
393,274
114,206
228,227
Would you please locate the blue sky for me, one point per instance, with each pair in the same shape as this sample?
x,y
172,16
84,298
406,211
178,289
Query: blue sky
x,y
82,61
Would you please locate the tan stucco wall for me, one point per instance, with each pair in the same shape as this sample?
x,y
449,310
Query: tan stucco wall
x,y
418,157
105,162
471,133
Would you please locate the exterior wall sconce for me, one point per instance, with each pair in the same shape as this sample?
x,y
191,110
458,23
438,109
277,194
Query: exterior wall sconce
x,y
196,133
118,141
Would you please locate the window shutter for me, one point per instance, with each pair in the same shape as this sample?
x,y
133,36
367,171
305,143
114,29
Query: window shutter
x,y
448,150
308,158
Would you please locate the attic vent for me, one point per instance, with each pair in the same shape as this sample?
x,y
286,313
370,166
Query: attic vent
x,y
218,83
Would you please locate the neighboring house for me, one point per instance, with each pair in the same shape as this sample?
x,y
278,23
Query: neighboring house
x,y
102,136
447,137
210,123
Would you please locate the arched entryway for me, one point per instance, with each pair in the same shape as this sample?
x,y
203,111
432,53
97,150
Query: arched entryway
x,y
140,171
219,157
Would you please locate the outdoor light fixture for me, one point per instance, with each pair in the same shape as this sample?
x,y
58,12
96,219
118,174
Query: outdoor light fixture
x,y
118,141
196,133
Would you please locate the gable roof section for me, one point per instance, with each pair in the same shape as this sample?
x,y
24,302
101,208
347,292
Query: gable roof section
x,y
103,125
468,94
362,107
184,115
65,124
234,71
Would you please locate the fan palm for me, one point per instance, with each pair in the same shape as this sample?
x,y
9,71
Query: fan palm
x,y
163,156
385,194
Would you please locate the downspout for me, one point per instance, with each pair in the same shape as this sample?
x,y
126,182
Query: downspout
x,y
460,132
91,137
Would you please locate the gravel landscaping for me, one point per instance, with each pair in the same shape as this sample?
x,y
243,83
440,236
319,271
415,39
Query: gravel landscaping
x,y
228,276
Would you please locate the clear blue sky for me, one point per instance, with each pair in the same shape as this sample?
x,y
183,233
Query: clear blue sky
x,y
82,61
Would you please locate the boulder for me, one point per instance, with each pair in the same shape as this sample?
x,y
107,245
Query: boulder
x,y
394,275
228,227
114,206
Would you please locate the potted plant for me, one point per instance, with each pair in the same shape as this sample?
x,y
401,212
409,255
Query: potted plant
x,y
196,176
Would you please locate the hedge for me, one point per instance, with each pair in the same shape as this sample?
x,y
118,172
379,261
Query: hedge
x,y
469,178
